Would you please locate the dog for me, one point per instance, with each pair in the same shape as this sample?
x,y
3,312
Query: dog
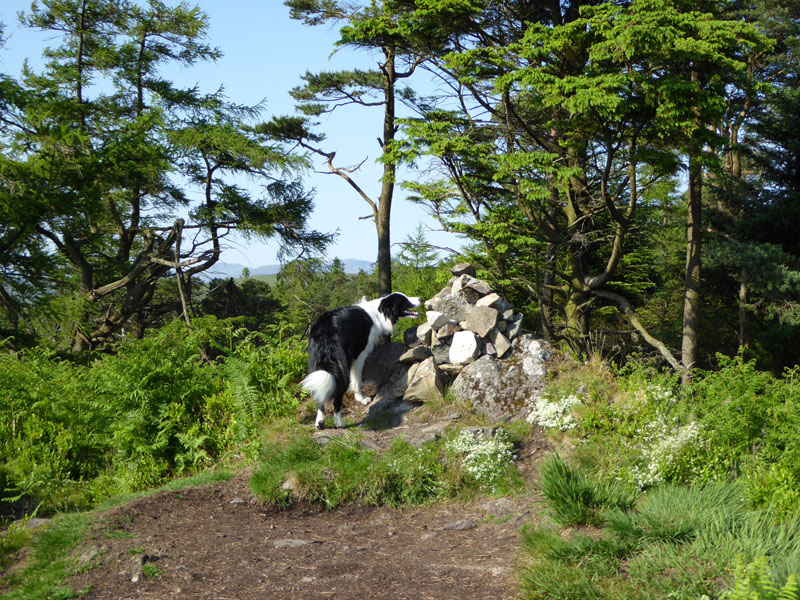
x,y
339,344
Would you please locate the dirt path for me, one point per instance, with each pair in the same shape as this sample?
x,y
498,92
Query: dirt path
x,y
216,542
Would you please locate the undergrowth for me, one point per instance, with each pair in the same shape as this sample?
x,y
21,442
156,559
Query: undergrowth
x,y
296,468
174,403
675,541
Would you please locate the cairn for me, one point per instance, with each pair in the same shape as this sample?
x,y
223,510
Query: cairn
x,y
466,320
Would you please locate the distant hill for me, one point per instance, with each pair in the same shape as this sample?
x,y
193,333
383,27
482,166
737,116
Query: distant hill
x,y
223,270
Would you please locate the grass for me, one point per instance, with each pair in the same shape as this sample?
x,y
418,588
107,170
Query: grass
x,y
675,541
296,468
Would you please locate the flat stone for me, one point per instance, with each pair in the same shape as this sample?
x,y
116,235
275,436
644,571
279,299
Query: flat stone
x,y
441,349
489,300
481,320
426,384
448,330
436,319
514,326
463,269
415,354
460,282
424,332
293,543
461,525
500,342
480,286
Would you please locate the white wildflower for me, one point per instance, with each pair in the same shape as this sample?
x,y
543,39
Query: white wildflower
x,y
554,415
659,448
483,458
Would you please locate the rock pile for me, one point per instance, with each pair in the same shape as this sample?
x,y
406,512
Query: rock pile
x,y
466,320
469,329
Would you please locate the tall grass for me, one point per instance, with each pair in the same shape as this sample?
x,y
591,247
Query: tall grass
x,y
676,541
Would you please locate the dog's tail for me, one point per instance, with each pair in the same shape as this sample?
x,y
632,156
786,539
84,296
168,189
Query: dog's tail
x,y
321,385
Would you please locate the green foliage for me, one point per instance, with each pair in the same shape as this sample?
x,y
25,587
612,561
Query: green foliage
x,y
50,562
53,429
576,498
755,581
675,541
299,469
736,421
343,471
71,435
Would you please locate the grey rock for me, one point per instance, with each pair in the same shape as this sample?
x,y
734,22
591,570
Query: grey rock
x,y
441,350
489,300
461,525
450,371
500,342
480,286
505,390
415,354
501,325
448,330
453,306
469,295
381,366
396,387
463,269
460,282
424,333
481,320
426,383
293,543
514,326
436,319
411,337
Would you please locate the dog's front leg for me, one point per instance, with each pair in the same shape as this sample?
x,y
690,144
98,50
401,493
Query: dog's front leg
x,y
355,379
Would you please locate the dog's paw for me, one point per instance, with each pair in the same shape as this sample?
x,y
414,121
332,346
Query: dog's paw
x,y
363,399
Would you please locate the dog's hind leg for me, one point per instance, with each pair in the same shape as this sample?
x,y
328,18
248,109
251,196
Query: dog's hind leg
x,y
337,412
319,422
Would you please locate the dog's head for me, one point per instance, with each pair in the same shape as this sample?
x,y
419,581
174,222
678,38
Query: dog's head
x,y
395,306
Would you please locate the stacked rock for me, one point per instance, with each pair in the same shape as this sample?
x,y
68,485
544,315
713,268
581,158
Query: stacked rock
x,y
466,320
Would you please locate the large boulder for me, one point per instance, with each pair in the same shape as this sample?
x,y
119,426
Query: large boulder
x,y
505,390
425,382
382,366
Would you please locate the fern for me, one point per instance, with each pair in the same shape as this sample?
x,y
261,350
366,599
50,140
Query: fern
x,y
755,581
238,375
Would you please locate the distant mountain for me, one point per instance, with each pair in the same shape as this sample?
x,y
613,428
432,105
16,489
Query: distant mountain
x,y
223,270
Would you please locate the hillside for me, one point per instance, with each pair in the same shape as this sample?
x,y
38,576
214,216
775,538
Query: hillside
x,y
223,270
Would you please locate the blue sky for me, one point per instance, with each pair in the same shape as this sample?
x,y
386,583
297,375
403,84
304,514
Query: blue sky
x,y
265,53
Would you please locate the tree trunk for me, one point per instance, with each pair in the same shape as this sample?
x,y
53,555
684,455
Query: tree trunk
x,y
382,225
691,301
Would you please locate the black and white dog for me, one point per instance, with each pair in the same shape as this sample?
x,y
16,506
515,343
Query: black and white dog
x,y
339,344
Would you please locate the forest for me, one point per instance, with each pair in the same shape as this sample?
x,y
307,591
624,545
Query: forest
x,y
627,174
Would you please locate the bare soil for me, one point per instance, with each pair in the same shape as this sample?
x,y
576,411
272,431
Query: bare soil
x,y
217,541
